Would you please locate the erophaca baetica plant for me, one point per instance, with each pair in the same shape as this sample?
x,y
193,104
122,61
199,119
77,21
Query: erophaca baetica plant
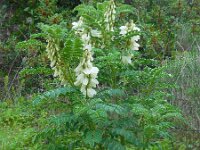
x,y
96,28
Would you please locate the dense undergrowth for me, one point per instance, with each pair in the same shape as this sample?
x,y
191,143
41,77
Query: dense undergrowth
x,y
99,74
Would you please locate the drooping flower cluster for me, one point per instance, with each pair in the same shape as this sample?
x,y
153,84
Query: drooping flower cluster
x,y
53,54
110,16
86,73
132,43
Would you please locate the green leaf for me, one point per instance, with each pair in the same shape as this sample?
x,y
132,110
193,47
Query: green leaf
x,y
53,94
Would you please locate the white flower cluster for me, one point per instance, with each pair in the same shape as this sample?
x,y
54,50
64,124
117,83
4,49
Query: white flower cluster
x,y
52,53
110,16
78,26
130,26
86,73
133,45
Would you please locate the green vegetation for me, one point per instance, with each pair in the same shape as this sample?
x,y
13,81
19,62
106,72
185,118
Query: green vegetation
x,y
108,74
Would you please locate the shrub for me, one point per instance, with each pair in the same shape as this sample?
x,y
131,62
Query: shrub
x,y
124,106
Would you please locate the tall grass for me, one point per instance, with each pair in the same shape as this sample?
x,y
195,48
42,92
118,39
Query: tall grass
x,y
186,76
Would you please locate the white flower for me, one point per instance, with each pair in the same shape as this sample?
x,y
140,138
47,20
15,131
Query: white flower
x,y
91,92
170,75
96,33
83,90
124,30
137,29
85,38
85,81
77,25
127,59
87,47
53,63
135,38
94,82
93,70
56,73
133,44
133,27
79,80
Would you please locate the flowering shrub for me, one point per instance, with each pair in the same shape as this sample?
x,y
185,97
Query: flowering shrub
x,y
121,101
99,31
102,83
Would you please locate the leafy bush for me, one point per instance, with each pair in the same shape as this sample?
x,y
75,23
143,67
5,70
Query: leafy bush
x,y
128,110
98,90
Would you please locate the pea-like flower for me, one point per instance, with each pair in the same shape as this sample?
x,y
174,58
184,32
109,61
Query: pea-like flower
x,y
127,59
123,30
96,33
78,26
133,43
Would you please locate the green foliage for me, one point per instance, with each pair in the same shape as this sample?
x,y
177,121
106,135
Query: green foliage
x,y
116,118
16,131
131,109
53,94
164,21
